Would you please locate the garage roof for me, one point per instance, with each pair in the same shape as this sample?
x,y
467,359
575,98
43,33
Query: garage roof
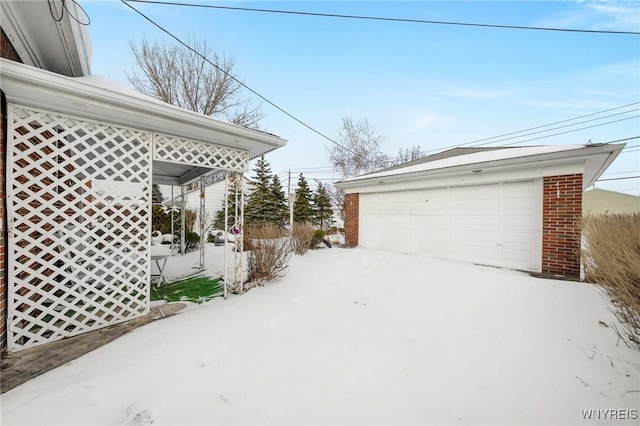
x,y
595,157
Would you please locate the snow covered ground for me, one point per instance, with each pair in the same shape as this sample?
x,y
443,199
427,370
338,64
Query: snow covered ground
x,y
356,336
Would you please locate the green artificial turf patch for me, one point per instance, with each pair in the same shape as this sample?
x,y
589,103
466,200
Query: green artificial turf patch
x,y
196,290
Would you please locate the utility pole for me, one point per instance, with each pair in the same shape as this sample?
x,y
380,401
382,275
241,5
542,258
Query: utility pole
x,y
291,200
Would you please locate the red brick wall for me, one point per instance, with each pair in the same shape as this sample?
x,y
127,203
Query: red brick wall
x,y
351,219
7,50
561,233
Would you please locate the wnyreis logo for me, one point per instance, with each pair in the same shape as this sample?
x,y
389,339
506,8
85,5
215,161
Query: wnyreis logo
x,y
609,414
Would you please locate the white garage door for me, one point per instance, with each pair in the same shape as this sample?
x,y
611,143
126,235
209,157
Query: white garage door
x,y
495,224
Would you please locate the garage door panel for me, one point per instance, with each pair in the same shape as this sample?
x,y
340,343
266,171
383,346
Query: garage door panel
x,y
474,222
429,208
517,222
470,207
495,224
477,192
522,237
518,189
479,254
426,222
526,205
474,237
516,256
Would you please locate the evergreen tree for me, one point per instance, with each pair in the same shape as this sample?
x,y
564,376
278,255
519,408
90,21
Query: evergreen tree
x,y
322,212
280,201
302,211
261,206
156,194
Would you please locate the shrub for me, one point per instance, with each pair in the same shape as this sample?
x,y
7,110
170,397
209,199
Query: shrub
x,y
301,237
611,258
191,240
318,236
269,255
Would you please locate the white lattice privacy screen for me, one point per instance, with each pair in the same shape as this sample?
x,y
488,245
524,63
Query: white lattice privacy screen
x,y
176,150
79,225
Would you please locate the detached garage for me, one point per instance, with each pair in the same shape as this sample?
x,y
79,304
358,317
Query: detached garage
x,y
509,207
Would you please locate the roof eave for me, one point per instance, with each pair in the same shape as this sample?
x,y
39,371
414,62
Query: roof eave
x,y
609,151
37,88
61,46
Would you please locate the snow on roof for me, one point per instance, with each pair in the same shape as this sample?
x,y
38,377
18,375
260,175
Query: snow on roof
x,y
472,158
105,83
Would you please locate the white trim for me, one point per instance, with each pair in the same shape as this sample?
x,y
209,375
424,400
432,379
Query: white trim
x,y
591,160
465,178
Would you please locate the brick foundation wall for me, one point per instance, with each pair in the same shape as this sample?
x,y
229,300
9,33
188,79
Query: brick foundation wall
x,y
351,219
561,232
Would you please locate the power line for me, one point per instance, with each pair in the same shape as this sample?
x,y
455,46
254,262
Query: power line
x,y
387,19
620,173
534,128
620,178
571,131
236,80
628,152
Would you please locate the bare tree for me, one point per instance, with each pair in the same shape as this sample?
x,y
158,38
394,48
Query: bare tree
x,y
408,154
179,76
359,152
336,195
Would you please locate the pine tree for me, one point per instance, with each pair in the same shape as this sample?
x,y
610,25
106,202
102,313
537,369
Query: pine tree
x,y
302,211
280,201
322,212
261,206
156,194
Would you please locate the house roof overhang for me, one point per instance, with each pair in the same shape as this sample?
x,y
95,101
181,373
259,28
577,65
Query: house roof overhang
x,y
525,162
103,100
49,35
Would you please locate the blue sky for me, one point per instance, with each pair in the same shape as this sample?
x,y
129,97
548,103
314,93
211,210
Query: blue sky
x,y
429,85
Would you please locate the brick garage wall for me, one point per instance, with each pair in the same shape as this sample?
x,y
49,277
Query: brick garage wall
x,y
561,232
351,219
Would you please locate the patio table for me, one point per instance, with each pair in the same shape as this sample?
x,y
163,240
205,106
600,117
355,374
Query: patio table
x,y
161,262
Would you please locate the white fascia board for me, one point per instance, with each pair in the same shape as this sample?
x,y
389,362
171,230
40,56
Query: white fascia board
x,y
591,161
81,39
37,88
465,178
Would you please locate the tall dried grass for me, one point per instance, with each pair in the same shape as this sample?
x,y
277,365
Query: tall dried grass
x,y
269,253
611,258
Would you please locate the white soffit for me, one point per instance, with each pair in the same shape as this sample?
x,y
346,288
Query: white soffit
x,y
101,99
594,158
62,46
